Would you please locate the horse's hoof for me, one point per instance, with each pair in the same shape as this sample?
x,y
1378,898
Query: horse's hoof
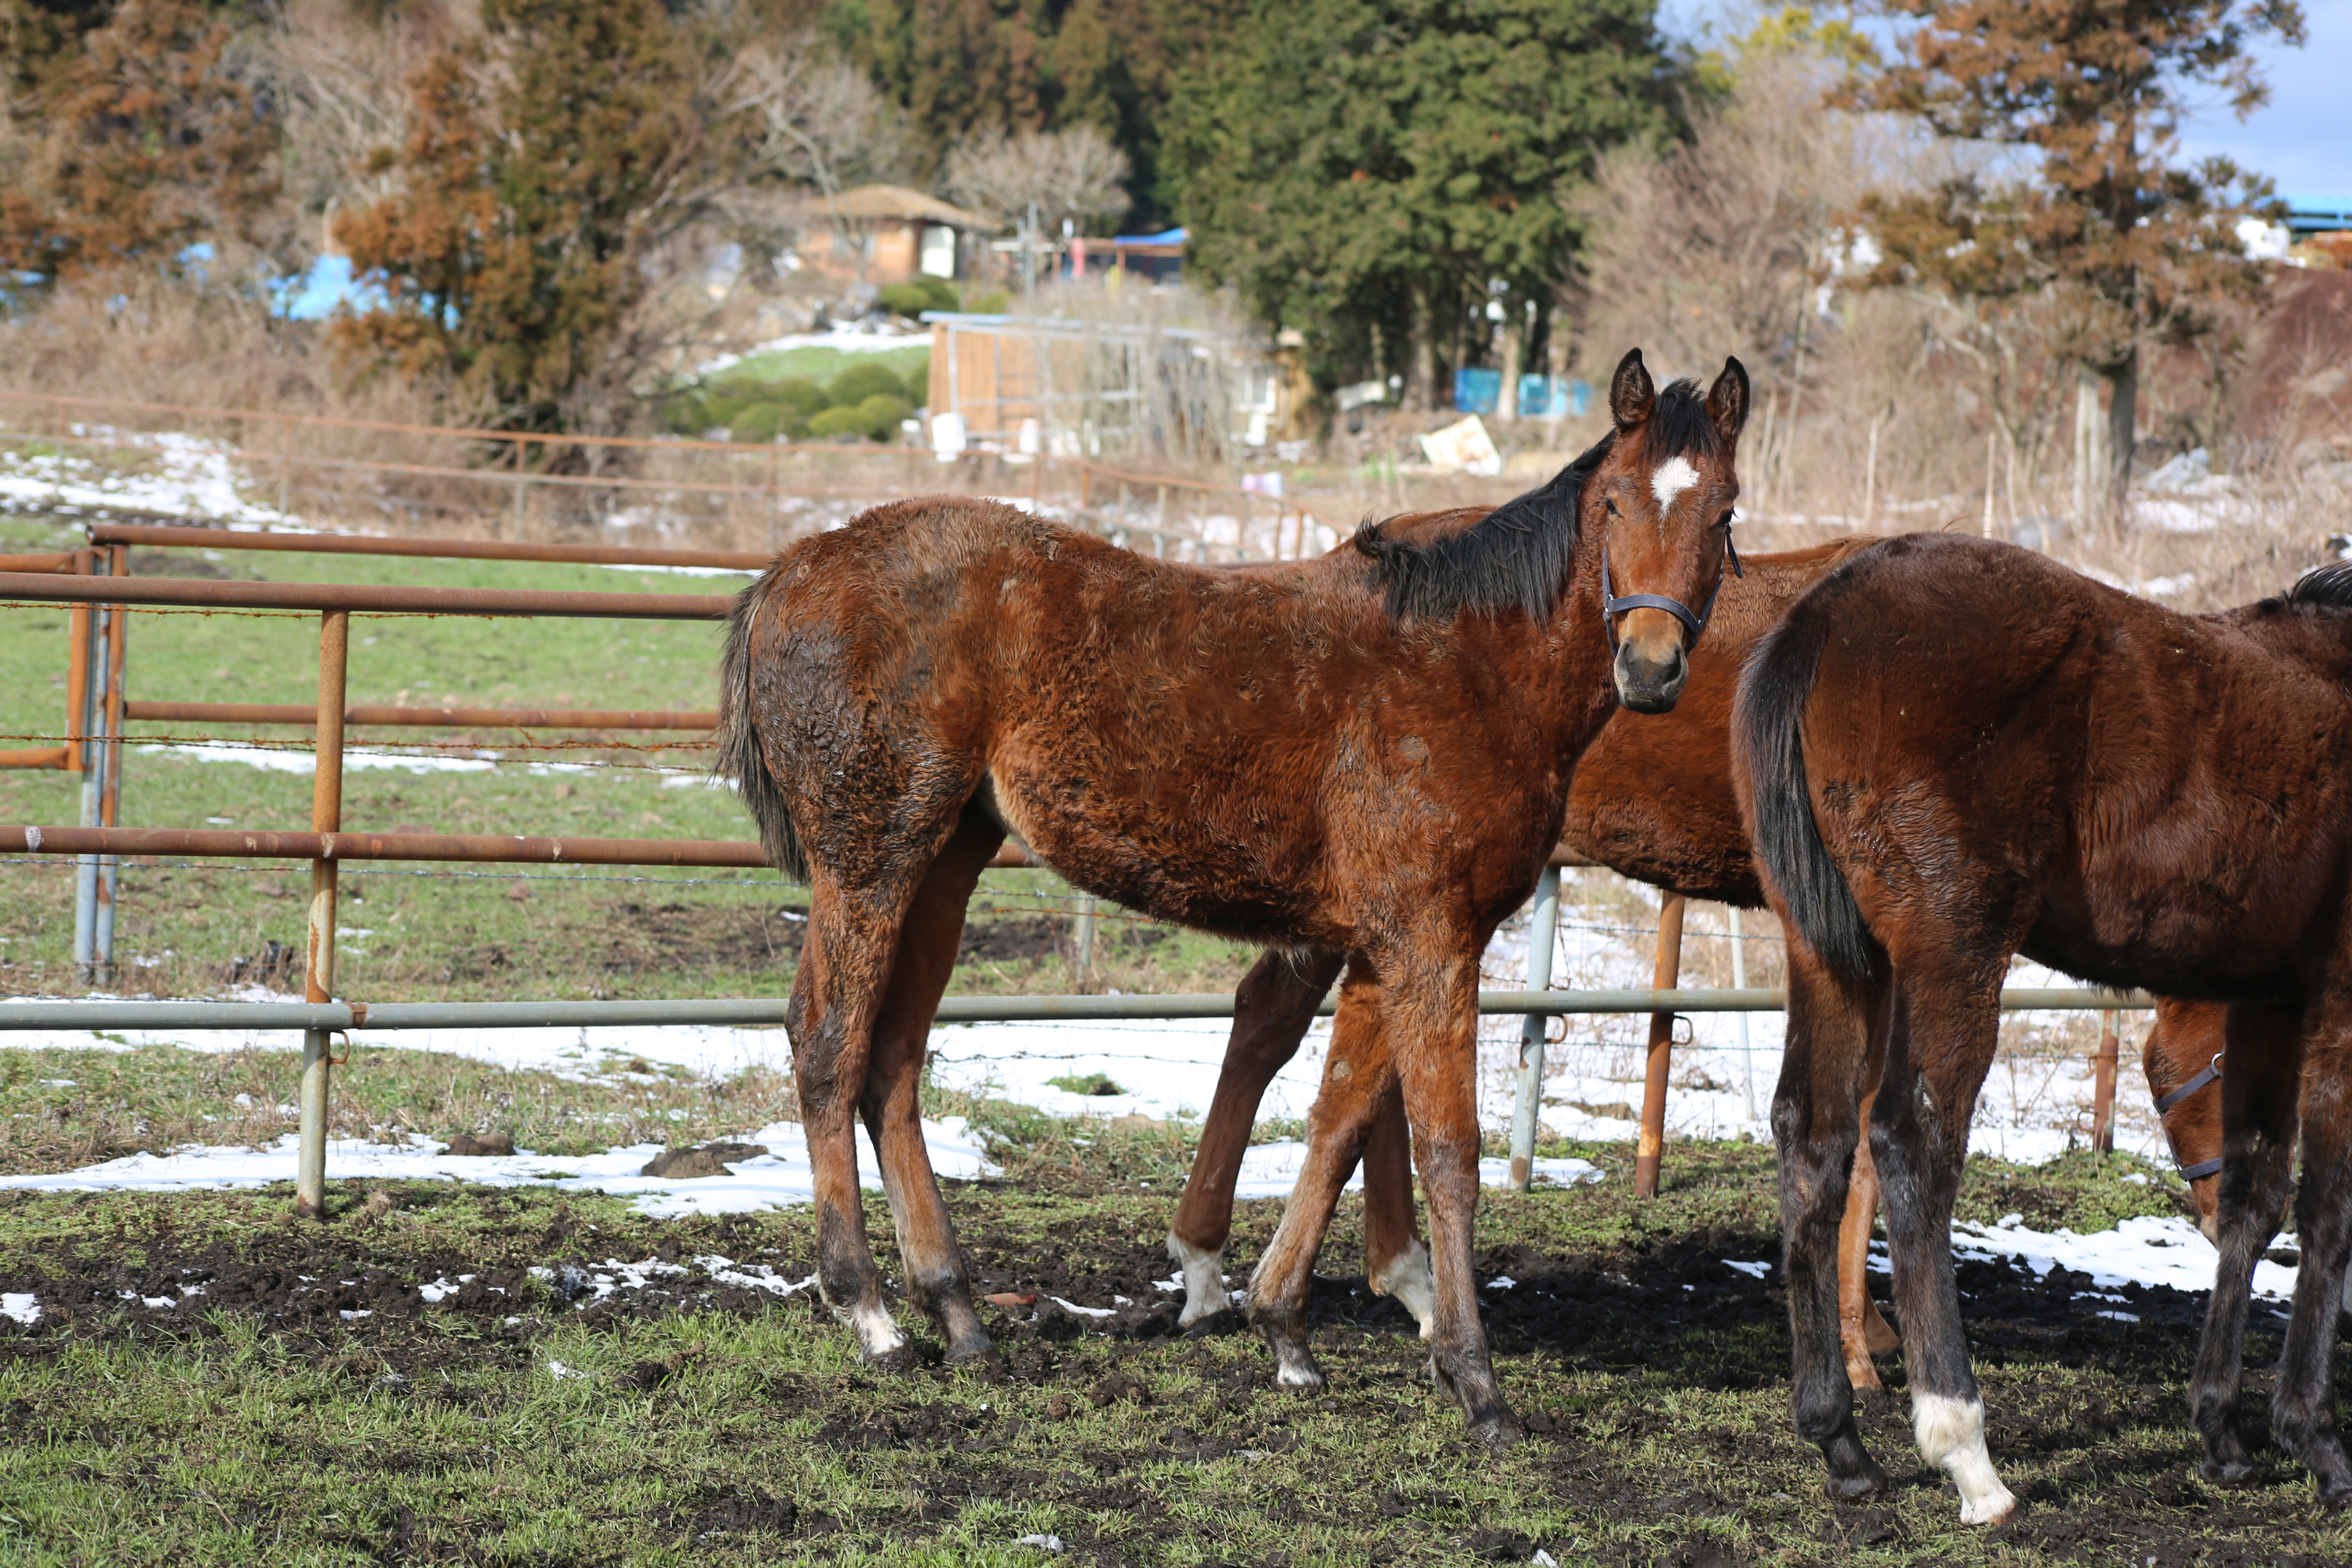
x,y
896,1359
1210,1325
979,1361
1499,1433
1867,1481
2226,1472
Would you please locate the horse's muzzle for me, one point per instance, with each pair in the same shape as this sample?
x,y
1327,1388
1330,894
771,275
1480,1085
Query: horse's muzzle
x,y
1648,683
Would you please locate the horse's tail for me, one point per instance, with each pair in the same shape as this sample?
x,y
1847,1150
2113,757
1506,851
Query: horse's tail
x,y
739,757
1769,723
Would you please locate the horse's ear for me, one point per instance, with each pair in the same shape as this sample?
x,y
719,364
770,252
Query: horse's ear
x,y
1630,393
1727,401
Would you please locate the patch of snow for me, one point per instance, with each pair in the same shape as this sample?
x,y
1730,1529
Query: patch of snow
x,y
557,1370
1502,1282
781,1178
1754,1271
21,1306
1088,1311
2147,1249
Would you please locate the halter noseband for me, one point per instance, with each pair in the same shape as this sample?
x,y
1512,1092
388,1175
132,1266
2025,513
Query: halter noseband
x,y
2212,1074
1613,606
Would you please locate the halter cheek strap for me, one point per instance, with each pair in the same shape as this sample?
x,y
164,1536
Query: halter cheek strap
x,y
1611,605
2212,1074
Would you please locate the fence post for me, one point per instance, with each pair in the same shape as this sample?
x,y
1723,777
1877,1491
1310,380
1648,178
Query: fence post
x,y
1543,927
92,729
1739,983
285,470
2103,1094
1652,1141
319,961
109,798
1082,944
523,480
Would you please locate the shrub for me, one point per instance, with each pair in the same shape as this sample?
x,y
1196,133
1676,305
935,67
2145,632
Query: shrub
x,y
876,418
759,422
837,422
862,381
917,295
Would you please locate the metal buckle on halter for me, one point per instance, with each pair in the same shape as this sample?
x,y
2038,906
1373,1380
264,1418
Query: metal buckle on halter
x,y
2212,1074
1611,605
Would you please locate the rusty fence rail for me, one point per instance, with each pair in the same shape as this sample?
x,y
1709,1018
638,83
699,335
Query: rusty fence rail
x,y
769,1011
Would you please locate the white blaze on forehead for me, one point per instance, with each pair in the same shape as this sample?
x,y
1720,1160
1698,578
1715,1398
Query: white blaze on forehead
x,y
1672,478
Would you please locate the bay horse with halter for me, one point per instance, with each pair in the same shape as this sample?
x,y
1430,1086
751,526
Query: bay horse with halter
x,y
1952,751
1652,799
1367,753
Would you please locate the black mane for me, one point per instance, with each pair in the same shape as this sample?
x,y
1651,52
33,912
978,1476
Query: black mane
x,y
2329,585
1520,555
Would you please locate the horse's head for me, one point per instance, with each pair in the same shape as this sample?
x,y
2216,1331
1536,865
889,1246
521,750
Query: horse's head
x,y
1661,501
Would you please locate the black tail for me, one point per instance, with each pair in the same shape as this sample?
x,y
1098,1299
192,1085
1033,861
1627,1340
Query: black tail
x,y
1769,723
739,740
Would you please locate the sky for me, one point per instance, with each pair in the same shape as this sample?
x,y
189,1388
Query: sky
x,y
2302,139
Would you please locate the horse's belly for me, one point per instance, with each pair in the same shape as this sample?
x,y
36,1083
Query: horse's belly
x,y
1260,886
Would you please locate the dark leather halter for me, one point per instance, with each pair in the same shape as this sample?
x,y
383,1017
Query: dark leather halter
x,y
1613,606
2212,1074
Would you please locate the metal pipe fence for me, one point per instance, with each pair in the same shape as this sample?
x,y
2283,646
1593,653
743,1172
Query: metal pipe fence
x,y
99,592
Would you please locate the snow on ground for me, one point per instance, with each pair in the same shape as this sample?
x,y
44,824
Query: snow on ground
x,y
272,759
856,338
192,478
781,1176
2151,1249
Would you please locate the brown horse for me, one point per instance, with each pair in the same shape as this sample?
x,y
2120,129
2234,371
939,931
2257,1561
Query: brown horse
x,y
1366,753
1952,751
1652,799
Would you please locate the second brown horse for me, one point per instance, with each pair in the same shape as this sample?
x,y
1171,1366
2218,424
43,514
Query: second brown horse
x,y
1652,799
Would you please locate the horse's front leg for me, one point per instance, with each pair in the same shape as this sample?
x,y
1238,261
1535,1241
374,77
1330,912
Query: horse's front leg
x,y
1273,1008
2302,1403
2264,1047
1357,1076
1433,1027
1816,1112
1941,1029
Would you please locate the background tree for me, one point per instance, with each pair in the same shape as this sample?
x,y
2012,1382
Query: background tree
x,y
2092,91
137,142
1075,173
1367,171
960,69
559,169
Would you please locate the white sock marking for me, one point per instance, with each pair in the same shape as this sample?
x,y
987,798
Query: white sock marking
x,y
1204,1283
1672,478
878,1332
1409,1279
1951,1435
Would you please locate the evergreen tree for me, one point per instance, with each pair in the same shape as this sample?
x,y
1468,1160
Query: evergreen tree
x,y
2093,91
1367,171
142,144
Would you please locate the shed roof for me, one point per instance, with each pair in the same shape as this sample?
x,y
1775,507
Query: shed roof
x,y
886,201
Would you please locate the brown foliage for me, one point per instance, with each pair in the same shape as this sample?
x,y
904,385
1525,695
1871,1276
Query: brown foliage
x,y
150,144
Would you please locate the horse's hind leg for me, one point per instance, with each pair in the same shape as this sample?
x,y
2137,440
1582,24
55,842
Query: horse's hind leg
x,y
2302,1405
1940,1030
837,995
927,943
2257,1092
1816,1113
1356,1077
1273,1008
1396,1261
1861,1331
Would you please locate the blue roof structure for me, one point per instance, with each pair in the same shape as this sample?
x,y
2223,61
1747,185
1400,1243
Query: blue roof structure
x,y
1165,236
2318,215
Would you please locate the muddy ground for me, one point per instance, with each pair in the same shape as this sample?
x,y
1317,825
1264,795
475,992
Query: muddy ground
x,y
1653,1376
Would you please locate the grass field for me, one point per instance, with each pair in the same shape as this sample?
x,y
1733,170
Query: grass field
x,y
303,1403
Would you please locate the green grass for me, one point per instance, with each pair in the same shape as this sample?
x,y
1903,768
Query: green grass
x,y
461,931
820,363
719,1427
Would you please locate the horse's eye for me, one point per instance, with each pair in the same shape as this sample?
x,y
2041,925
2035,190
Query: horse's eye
x,y
1725,521
1610,502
